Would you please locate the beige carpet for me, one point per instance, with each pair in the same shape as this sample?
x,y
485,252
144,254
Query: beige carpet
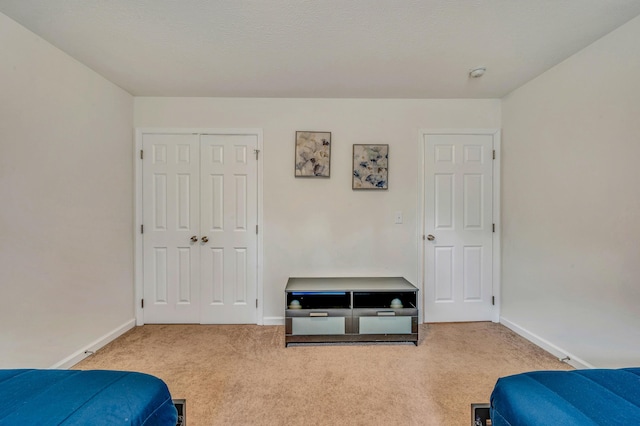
x,y
243,375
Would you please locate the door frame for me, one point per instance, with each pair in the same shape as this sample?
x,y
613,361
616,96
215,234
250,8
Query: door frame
x,y
421,225
138,246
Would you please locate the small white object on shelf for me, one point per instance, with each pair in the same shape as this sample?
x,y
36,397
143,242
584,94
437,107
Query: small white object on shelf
x,y
396,303
295,304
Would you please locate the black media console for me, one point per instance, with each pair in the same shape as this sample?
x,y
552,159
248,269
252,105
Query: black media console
x,y
321,310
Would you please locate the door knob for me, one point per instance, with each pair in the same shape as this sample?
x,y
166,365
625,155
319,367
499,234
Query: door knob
x,y
205,239
430,237
194,239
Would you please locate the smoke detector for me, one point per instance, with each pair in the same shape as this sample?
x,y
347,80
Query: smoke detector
x,y
477,72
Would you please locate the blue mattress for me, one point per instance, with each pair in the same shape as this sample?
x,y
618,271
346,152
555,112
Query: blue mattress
x,y
568,398
69,397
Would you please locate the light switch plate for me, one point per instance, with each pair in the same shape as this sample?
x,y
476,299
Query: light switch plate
x,y
398,217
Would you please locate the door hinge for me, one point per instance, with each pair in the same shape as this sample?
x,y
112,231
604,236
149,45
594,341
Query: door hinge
x,y
142,229
141,154
256,151
424,238
142,303
493,300
494,154
494,227
256,229
256,303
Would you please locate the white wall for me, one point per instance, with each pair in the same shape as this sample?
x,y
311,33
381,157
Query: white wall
x,y
571,203
66,190
321,227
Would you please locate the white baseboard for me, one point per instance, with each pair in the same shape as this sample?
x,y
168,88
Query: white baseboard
x,y
273,321
78,356
555,350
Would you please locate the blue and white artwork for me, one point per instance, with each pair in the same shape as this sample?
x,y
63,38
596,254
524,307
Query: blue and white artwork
x,y
313,154
370,166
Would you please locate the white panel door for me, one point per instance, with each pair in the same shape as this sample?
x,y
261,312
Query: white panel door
x,y
458,227
200,219
228,218
171,192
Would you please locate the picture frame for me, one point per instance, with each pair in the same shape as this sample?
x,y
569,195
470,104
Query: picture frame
x,y
370,166
313,154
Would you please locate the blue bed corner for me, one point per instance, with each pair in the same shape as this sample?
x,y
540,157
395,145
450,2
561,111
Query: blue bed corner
x,y
72,397
568,398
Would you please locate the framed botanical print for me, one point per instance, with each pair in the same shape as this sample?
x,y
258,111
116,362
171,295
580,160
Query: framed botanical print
x,y
313,154
370,166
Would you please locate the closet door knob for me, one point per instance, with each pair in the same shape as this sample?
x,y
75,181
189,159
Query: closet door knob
x,y
430,237
194,239
205,239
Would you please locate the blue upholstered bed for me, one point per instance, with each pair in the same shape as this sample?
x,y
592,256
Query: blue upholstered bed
x,y
568,398
70,397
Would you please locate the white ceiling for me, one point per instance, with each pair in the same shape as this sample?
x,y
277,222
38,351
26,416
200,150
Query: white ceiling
x,y
320,48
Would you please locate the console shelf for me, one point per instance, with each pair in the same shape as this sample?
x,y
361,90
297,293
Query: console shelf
x,y
322,310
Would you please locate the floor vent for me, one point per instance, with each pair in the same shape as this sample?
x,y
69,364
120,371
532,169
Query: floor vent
x,y
181,406
480,415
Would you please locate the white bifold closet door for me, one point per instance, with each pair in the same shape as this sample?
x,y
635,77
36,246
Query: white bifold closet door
x,y
200,218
